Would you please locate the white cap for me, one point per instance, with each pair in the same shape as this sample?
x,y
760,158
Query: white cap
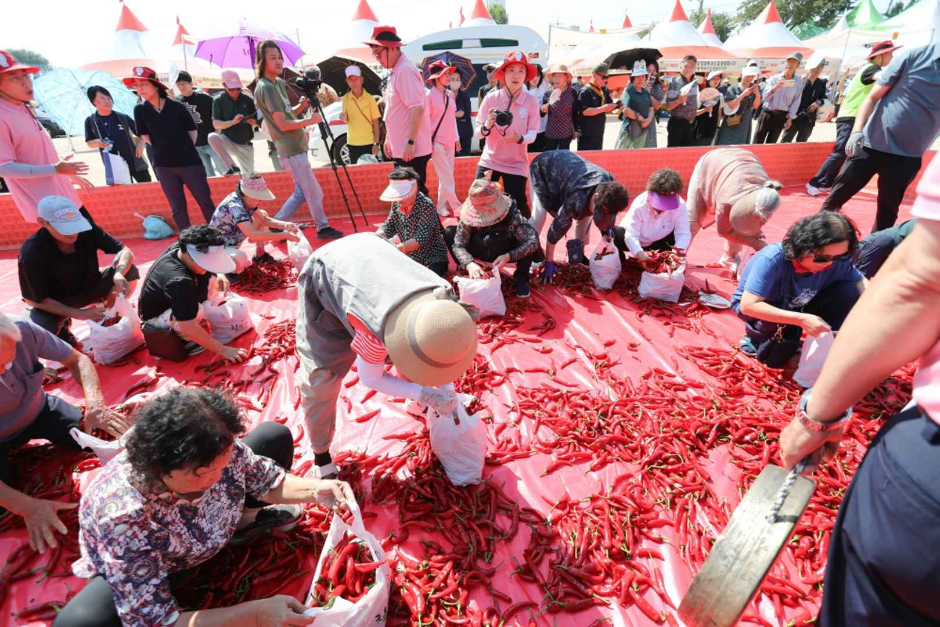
x,y
63,215
818,58
353,70
215,259
398,190
750,70
231,79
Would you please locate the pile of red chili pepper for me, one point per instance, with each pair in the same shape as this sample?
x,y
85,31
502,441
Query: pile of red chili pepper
x,y
110,322
348,572
266,276
661,261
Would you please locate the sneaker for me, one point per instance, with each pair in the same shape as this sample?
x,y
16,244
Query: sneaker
x,y
521,283
232,171
192,348
731,263
747,346
273,518
263,258
812,190
329,233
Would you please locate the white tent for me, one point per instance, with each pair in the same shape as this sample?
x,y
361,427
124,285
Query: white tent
x,y
917,26
845,46
676,37
707,31
130,45
360,30
480,16
675,30
570,46
768,40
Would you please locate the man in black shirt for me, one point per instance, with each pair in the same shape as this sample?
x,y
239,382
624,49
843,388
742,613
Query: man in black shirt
x,y
111,130
58,268
167,125
234,119
178,283
200,107
594,103
814,92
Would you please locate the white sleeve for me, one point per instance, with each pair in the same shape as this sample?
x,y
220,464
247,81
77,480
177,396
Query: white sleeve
x,y
13,170
682,231
375,377
633,227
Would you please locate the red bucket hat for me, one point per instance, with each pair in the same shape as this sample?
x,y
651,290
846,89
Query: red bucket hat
x,y
385,36
9,64
882,47
516,57
438,69
144,73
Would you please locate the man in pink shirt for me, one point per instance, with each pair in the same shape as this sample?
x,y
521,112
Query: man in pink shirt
x,y
406,119
28,161
889,519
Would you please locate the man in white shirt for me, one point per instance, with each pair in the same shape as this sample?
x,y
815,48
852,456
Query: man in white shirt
x,y
658,218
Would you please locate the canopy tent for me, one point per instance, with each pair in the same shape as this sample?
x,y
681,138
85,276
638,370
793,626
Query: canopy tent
x,y
569,46
917,26
360,30
480,16
707,31
864,16
767,40
807,30
130,45
676,37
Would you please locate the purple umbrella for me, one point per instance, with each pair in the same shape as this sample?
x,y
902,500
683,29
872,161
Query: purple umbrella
x,y
239,50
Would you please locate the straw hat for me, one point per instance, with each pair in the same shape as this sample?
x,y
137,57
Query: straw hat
x,y
557,68
486,204
431,341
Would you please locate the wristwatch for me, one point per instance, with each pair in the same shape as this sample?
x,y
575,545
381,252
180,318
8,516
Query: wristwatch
x,y
411,142
521,139
821,427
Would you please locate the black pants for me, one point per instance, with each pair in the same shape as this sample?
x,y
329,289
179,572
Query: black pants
x,y
491,246
357,151
894,172
769,126
141,176
660,245
514,185
832,304
801,129
538,145
439,267
873,252
878,571
420,165
590,143
829,170
54,324
557,144
173,180
94,605
679,133
466,141
53,423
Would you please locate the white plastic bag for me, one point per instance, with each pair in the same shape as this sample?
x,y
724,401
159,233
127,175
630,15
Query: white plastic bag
x,y
459,441
228,317
484,294
109,344
606,270
116,171
812,358
663,286
106,451
300,251
372,608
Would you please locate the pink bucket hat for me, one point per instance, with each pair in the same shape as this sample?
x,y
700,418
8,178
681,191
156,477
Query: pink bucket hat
x,y
486,204
256,187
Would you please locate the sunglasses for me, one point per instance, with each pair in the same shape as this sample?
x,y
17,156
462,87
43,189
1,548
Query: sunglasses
x,y
831,258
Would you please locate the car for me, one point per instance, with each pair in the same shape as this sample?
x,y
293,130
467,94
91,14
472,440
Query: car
x,y
331,114
52,127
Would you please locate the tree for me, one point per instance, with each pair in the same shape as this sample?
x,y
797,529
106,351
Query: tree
x,y
897,6
723,22
793,12
646,31
498,13
30,58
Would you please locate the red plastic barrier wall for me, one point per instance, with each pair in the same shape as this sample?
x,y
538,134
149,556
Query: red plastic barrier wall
x,y
114,207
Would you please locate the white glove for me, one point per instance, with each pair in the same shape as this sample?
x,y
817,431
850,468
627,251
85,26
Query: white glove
x,y
440,401
853,147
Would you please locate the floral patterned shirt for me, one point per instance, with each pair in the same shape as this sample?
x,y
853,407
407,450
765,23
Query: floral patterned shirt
x,y
135,533
228,215
422,225
517,227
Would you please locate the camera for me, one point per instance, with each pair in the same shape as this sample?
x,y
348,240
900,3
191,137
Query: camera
x,y
503,117
310,83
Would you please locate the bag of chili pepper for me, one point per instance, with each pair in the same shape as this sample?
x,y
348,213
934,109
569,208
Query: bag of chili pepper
x,y
352,581
110,342
665,286
484,294
459,441
812,358
605,266
300,251
228,317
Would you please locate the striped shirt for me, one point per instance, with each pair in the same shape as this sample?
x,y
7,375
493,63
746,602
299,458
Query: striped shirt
x,y
366,345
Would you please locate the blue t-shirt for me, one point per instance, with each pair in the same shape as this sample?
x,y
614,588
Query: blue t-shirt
x,y
906,121
772,277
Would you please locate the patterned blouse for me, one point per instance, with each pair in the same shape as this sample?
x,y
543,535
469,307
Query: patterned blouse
x,y
422,225
228,215
135,533
561,114
523,232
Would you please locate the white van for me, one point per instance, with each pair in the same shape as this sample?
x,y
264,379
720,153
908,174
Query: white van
x,y
482,45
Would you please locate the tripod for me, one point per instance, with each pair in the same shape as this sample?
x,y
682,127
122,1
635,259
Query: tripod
x,y
324,133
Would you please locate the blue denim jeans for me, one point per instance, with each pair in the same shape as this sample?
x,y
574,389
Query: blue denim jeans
x,y
210,159
306,188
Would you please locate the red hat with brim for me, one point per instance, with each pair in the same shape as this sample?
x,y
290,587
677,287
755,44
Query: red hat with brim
x,y
439,69
143,73
9,64
385,36
882,47
516,57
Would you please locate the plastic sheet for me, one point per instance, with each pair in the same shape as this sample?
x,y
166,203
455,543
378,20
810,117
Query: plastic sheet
x,y
586,321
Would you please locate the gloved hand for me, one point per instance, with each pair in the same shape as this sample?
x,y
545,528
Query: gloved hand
x,y
575,251
853,147
549,270
440,401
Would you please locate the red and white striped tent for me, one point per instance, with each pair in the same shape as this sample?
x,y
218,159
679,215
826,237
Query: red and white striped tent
x,y
675,37
707,31
480,16
767,40
130,45
360,30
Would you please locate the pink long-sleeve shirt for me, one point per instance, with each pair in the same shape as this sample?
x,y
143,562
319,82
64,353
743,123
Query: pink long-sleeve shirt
x,y
502,156
442,103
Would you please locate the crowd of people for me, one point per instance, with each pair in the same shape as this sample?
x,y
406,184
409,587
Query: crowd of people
x,y
190,445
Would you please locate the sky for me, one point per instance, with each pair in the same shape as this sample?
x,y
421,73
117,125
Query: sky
x,y
72,32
